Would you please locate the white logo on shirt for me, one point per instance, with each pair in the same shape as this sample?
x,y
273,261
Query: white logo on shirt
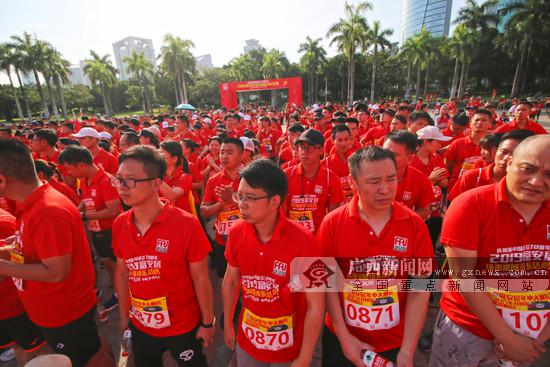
x,y
279,268
187,355
162,245
318,189
406,195
400,244
93,193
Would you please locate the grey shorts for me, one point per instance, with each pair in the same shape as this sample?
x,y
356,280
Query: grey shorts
x,y
246,360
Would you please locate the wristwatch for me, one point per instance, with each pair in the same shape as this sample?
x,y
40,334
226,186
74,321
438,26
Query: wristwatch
x,y
209,326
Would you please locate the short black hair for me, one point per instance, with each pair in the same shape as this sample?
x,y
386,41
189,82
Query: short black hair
x,y
461,119
371,153
490,141
338,129
234,141
152,138
189,144
296,128
483,111
519,135
421,115
47,168
16,161
153,162
401,118
266,175
131,138
74,154
46,134
68,141
406,138
352,120
525,101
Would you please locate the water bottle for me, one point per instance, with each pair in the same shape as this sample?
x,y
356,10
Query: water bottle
x,y
101,313
505,363
125,347
373,359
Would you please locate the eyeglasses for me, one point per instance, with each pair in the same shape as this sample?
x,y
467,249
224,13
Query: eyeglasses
x,y
308,148
128,183
241,198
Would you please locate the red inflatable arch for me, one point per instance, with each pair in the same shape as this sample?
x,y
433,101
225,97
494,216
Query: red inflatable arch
x,y
228,91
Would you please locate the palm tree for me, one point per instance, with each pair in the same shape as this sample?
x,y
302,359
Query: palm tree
x,y
528,19
376,38
349,34
6,61
50,58
59,68
18,65
476,16
33,53
273,64
415,47
177,61
138,65
101,72
314,57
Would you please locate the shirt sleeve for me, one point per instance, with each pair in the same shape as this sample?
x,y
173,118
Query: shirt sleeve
x,y
115,242
450,153
209,195
335,188
230,247
325,240
199,246
461,226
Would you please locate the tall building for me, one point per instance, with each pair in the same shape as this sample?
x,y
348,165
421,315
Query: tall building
x,y
204,62
126,46
77,75
435,15
251,45
503,19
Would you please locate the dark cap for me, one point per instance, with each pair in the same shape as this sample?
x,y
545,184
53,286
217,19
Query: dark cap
x,y
339,120
388,111
312,137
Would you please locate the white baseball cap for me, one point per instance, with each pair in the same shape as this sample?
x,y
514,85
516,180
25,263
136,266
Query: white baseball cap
x,y
247,143
87,132
431,133
105,135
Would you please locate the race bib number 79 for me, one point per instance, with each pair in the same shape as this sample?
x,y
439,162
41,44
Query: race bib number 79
x,y
151,313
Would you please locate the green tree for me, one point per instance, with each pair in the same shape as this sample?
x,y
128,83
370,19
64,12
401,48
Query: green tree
x,y
7,59
178,62
475,16
376,40
312,60
101,72
273,65
349,34
142,69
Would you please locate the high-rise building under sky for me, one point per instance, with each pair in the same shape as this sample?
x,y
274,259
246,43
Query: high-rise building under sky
x,y
435,15
126,46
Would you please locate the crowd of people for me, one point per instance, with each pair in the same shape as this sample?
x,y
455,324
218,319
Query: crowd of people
x,y
160,200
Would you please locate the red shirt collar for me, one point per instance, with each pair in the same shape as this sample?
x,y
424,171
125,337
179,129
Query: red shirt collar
x,y
162,216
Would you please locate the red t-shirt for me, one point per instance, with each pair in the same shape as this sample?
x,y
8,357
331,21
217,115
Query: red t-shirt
x,y
531,126
164,302
286,154
448,132
11,305
437,208
465,155
345,236
65,190
184,181
472,179
197,177
483,219
268,142
415,191
265,275
8,205
308,199
229,213
341,168
107,161
95,195
289,164
374,134
49,225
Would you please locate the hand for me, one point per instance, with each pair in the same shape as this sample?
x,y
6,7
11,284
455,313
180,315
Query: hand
x,y
225,194
205,335
438,174
405,358
229,335
352,348
521,349
7,244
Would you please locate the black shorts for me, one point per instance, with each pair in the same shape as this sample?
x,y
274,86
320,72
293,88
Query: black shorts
x,y
22,331
102,244
78,339
184,348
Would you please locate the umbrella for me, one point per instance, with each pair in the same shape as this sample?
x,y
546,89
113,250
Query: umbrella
x,y
185,107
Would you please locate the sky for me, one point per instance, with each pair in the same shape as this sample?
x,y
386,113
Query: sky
x,y
217,27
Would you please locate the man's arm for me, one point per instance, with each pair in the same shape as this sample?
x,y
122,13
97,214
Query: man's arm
x,y
230,292
49,270
210,209
123,292
204,294
423,212
171,193
312,326
111,211
415,316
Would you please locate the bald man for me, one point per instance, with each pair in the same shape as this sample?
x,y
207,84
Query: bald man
x,y
501,227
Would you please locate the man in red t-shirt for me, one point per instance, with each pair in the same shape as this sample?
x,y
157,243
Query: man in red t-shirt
x,y
455,129
414,188
259,253
218,198
293,133
371,232
89,139
337,161
50,263
484,229
162,267
267,136
521,120
313,189
100,205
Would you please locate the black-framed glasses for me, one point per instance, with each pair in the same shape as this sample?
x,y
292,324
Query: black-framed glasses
x,y
241,198
128,183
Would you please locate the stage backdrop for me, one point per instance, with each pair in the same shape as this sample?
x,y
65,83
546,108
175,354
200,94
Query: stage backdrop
x,y
228,91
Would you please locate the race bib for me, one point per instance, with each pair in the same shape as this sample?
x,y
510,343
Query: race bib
x,y
347,189
151,313
303,218
91,224
268,334
226,220
525,313
17,259
371,309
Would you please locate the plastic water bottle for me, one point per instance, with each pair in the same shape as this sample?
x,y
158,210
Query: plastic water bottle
x,y
125,347
505,363
101,313
373,359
